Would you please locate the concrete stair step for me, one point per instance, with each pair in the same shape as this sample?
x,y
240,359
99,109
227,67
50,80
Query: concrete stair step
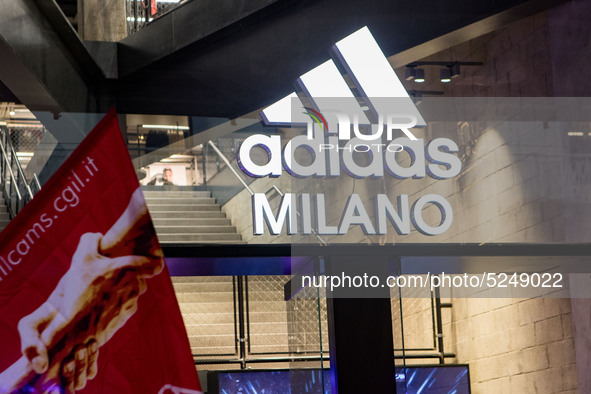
x,y
199,313
187,214
174,201
4,215
261,310
269,328
263,341
214,350
211,318
210,329
270,299
267,317
191,222
180,237
183,207
176,194
264,348
202,279
265,294
161,230
211,287
189,308
211,340
226,296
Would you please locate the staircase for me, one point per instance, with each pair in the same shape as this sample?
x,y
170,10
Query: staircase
x,y
273,327
207,307
189,217
4,217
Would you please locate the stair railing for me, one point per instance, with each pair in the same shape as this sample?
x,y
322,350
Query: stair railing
x,y
225,160
17,189
275,188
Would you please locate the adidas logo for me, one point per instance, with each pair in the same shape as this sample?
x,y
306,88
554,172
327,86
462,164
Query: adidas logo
x,y
349,104
380,99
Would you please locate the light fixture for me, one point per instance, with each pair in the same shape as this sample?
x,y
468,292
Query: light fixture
x,y
24,154
416,74
419,75
450,70
455,70
12,113
445,74
165,127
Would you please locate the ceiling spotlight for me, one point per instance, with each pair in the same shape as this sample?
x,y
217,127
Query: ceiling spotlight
x,y
455,70
12,113
419,75
445,74
416,74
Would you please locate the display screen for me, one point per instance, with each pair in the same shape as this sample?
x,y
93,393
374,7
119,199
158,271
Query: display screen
x,y
452,379
436,379
312,381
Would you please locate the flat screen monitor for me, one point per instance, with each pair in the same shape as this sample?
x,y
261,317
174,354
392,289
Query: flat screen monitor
x,y
433,379
312,381
416,379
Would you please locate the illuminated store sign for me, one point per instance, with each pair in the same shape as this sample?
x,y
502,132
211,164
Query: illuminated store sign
x,y
334,136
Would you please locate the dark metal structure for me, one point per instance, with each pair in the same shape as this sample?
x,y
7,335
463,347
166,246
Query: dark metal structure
x,y
212,58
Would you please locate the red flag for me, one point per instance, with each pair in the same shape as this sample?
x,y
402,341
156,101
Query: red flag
x,y
86,302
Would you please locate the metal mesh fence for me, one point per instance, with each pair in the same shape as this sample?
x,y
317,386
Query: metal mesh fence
x,y
412,318
307,322
291,333
26,139
267,315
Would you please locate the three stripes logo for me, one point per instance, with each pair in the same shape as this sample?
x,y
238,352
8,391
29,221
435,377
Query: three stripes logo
x,y
372,103
353,103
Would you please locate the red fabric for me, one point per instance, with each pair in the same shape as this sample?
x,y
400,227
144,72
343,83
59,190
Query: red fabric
x,y
152,349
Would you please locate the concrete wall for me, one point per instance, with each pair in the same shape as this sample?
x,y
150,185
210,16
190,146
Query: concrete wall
x,y
514,345
102,20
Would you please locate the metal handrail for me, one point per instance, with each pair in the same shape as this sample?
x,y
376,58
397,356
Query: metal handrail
x,y
36,180
19,168
9,167
225,159
15,181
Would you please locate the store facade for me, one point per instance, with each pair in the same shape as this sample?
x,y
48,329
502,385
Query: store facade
x,y
491,196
